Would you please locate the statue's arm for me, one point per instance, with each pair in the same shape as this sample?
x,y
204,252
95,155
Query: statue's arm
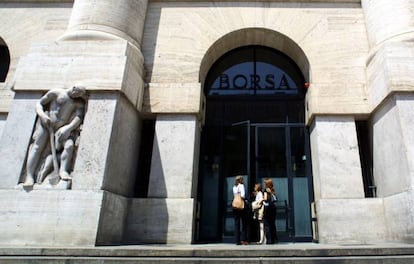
x,y
75,123
64,132
77,120
46,99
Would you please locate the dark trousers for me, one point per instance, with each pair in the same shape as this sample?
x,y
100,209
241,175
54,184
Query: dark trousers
x,y
270,225
240,225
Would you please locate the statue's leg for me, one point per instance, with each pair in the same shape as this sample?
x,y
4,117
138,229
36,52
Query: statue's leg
x,y
46,169
66,159
40,137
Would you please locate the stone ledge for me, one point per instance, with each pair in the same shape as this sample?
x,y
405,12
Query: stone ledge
x,y
218,250
298,1
36,1
160,220
390,71
49,217
351,221
99,65
288,1
164,98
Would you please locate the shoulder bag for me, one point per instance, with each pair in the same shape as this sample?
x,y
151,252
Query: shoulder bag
x,y
238,202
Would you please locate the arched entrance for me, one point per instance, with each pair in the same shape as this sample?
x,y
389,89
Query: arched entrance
x,y
4,60
254,126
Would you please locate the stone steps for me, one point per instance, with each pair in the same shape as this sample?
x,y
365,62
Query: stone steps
x,y
218,253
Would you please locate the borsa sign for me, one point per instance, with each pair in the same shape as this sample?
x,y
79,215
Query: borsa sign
x,y
254,82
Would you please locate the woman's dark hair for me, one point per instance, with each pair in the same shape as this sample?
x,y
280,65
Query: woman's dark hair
x,y
269,185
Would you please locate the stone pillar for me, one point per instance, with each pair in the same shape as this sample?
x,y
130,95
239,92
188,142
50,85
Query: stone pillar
x,y
343,215
335,157
103,20
390,26
388,20
173,169
101,51
167,215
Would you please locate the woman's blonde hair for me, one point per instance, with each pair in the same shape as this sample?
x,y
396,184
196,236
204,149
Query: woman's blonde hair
x,y
238,179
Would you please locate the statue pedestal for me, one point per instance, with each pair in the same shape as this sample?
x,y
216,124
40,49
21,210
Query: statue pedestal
x,y
60,218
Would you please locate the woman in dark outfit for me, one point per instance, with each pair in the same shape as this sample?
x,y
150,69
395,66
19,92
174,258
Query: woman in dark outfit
x,y
270,212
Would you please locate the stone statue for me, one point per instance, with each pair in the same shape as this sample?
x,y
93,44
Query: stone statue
x,y
60,113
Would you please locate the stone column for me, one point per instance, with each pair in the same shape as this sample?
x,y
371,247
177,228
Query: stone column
x,y
390,26
173,167
335,158
106,20
343,215
167,215
101,51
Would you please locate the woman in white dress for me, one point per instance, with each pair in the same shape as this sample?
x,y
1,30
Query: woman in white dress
x,y
258,209
240,215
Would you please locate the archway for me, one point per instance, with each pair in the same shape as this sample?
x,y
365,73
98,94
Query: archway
x,y
254,126
4,60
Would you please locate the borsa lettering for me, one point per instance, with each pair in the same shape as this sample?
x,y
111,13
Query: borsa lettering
x,y
254,81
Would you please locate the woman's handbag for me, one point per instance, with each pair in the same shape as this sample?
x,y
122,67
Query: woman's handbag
x,y
258,210
238,202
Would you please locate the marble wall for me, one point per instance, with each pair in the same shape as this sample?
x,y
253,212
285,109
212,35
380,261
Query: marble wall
x,y
357,55
333,37
21,25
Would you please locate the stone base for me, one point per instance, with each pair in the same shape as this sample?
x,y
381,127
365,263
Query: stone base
x,y
290,253
351,221
59,218
160,220
399,215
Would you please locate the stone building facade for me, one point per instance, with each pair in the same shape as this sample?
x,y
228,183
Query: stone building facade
x,y
325,111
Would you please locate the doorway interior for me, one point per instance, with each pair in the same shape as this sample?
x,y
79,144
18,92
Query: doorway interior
x,y
254,126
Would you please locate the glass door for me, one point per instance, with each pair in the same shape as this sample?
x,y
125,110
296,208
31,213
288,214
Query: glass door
x,y
300,173
272,162
257,151
281,155
236,161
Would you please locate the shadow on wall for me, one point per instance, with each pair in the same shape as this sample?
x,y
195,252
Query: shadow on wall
x,y
148,218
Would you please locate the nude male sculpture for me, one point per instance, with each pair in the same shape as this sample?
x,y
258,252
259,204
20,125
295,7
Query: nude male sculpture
x,y
61,112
